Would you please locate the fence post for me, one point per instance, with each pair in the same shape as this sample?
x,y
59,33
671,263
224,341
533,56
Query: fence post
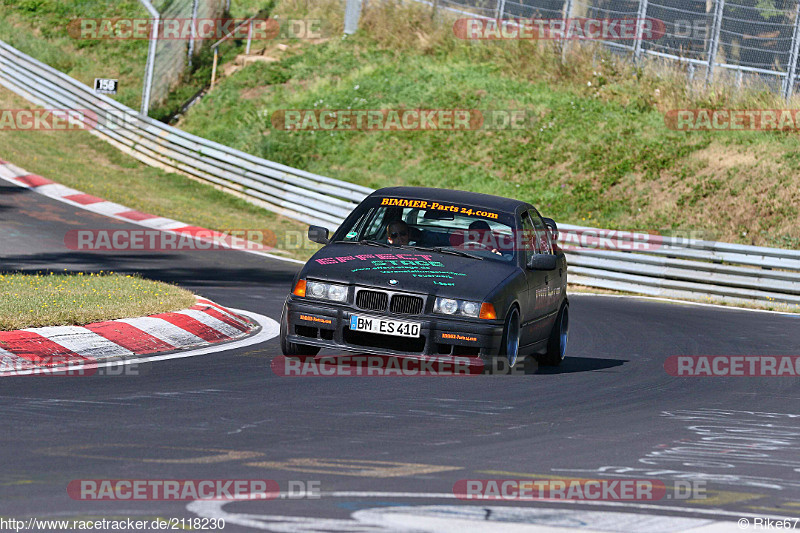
x,y
501,9
567,15
214,66
790,77
151,57
714,44
249,38
194,31
640,16
352,11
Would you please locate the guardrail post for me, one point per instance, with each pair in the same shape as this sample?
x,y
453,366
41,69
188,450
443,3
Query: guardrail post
x,y
713,46
788,88
194,31
352,12
640,16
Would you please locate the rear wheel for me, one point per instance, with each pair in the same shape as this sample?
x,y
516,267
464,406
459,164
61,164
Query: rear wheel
x,y
557,344
291,349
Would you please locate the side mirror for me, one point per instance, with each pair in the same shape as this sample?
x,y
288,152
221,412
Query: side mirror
x,y
318,234
550,223
543,262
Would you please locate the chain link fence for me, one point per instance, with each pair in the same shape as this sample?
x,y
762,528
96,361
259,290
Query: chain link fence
x,y
173,55
733,41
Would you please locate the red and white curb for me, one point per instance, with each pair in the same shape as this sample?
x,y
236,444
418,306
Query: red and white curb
x,y
39,350
22,178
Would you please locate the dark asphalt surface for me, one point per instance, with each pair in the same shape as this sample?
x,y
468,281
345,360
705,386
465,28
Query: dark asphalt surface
x,y
610,411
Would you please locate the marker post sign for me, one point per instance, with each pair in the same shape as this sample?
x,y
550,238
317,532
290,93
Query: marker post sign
x,y
105,86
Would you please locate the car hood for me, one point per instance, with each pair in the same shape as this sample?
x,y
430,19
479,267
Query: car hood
x,y
411,270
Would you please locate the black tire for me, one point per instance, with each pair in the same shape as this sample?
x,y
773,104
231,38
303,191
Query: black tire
x,y
557,344
291,349
509,345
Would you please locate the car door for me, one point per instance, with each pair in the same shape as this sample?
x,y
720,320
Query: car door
x,y
552,280
536,305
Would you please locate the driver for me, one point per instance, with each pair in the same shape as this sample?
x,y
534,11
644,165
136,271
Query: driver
x,y
397,233
483,233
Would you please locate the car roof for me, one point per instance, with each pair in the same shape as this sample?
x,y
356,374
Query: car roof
x,y
477,199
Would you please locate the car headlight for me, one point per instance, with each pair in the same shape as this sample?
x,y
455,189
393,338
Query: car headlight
x,y
450,306
326,291
470,308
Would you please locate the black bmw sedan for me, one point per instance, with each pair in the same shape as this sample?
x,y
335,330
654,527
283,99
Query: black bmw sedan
x,y
417,271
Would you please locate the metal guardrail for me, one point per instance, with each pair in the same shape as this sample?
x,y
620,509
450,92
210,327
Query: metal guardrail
x,y
681,267
640,263
290,192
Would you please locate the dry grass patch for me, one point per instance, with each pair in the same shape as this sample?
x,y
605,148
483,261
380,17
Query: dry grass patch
x,y
734,193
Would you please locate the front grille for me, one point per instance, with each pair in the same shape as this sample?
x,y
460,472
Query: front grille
x,y
411,305
372,300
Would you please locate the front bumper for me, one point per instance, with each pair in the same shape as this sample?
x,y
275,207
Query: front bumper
x,y
318,323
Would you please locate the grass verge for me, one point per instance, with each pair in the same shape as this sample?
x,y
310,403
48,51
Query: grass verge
x,y
36,300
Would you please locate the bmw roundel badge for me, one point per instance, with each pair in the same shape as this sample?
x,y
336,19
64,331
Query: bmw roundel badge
x,y
392,282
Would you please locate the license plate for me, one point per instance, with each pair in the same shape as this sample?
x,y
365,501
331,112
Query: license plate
x,y
385,326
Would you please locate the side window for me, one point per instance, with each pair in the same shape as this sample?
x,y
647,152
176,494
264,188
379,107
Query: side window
x,y
528,237
358,226
543,245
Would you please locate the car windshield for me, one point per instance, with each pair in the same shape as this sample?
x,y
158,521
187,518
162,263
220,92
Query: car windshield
x,y
466,229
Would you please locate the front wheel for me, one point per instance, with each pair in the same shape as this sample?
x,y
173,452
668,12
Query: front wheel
x,y
557,344
509,347
291,349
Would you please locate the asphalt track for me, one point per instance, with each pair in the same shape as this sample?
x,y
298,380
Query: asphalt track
x,y
385,450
